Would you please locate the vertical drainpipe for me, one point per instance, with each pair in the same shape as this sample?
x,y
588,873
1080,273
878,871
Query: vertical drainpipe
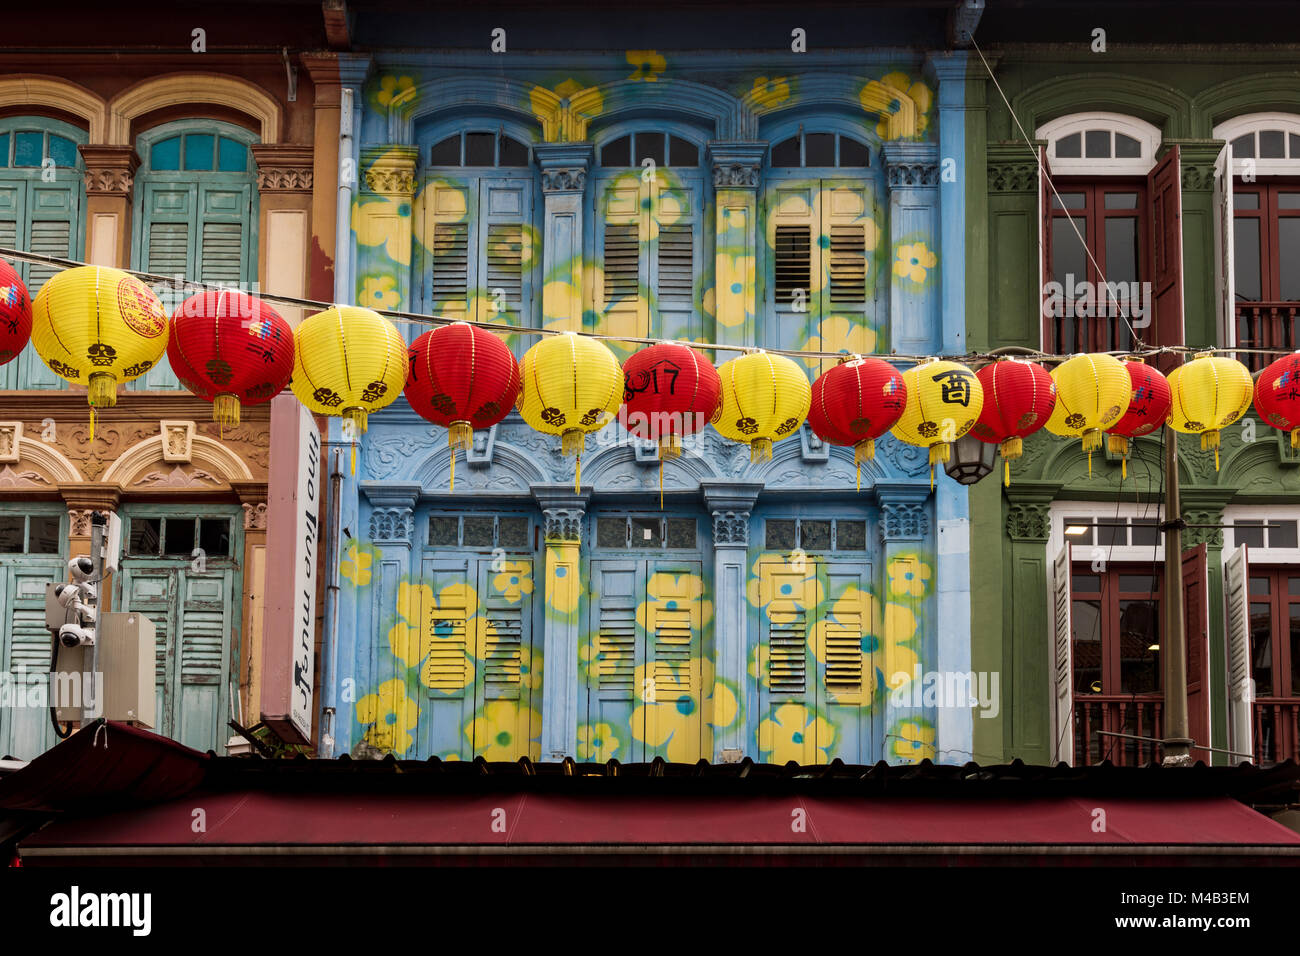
x,y
343,286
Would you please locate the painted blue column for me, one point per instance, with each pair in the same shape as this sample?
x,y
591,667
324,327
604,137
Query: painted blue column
x,y
730,505
564,178
915,323
949,71
564,514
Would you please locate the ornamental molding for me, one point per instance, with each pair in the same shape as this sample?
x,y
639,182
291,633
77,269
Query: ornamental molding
x,y
79,522
1029,522
563,524
11,436
903,520
109,170
177,441
1198,176
1013,177
564,179
283,168
1208,536
392,525
913,175
284,180
731,528
255,516
390,170
736,175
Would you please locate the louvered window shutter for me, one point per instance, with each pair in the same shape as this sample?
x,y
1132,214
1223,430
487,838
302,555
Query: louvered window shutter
x,y
787,622
205,603
26,732
672,629
674,260
617,586
1241,691
624,259
843,628
447,233
1063,666
792,270
505,206
168,248
153,592
502,640
447,641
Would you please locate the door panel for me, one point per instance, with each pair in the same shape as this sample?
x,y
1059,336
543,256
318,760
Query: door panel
x,y
441,610
618,658
26,732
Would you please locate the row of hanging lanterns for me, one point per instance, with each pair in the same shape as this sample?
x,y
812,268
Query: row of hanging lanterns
x,y
102,327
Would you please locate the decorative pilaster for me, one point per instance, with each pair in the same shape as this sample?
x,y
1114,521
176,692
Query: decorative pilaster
x,y
1029,521
1026,652
1012,167
563,513
737,175
564,181
913,175
109,176
383,220
730,504
284,168
392,514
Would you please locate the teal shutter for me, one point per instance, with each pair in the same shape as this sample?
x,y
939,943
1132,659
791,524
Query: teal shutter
x,y
152,591
673,711
617,586
503,267
25,643
445,671
167,248
674,261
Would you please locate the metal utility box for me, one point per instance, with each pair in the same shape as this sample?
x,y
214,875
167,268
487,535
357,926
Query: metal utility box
x,y
126,661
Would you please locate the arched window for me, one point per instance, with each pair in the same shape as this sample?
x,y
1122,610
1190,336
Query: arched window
x,y
648,204
1100,144
820,149
195,212
41,207
479,244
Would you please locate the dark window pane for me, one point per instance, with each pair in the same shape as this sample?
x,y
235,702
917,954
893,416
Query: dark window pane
x,y
1283,535
1293,144
232,157
682,152
1144,533
681,532
1068,256
1085,538
1085,635
1139,583
1258,584
513,152
166,154
214,537
1246,261
1085,583
146,534
444,532
786,153
198,151
1261,648
815,535
617,153
4,149
512,533
63,151
850,536
1293,587
1096,143
478,532
1067,147
1121,200
853,153
1288,200
780,535
1294,623
819,149
650,146
28,149
480,149
646,533
1068,200
178,536
1126,147
1243,200
1272,144
1139,629
43,534
611,532
446,153
1111,535
11,534
1243,147
1121,249
1288,257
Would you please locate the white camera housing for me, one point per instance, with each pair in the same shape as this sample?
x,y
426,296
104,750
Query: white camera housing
x,y
74,635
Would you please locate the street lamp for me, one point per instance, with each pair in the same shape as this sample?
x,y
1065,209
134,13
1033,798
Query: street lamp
x,y
971,459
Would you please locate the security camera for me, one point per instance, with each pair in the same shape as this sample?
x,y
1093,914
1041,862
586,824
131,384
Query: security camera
x,y
81,569
73,635
72,597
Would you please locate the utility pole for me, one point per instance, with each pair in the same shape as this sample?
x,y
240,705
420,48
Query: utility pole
x,y
1177,745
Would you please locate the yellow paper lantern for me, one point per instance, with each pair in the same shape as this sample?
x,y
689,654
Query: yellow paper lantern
x,y
1092,392
944,400
348,362
97,327
572,385
765,398
1209,393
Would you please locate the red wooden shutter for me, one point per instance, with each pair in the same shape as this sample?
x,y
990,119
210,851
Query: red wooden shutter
x,y
1166,256
1196,629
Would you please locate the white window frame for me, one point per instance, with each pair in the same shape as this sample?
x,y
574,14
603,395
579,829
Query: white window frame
x,y
1288,123
1148,138
1265,513
1101,511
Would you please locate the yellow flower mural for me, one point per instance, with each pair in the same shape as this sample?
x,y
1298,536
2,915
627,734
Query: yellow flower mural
x,y
380,292
770,92
908,575
774,579
791,730
375,224
900,656
391,714
913,741
650,65
501,730
675,598
514,580
597,742
437,633
564,591
355,565
669,712
391,87
723,705
912,261
891,84
840,334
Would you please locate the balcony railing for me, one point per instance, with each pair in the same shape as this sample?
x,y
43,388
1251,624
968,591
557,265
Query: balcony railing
x,y
1266,325
1139,716
1277,730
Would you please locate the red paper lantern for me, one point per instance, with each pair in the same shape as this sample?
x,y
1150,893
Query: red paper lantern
x,y
1277,395
1147,409
230,349
461,377
855,403
15,314
1019,397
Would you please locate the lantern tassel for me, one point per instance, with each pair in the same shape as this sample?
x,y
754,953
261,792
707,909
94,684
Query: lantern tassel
x,y
760,449
661,484
1013,447
225,411
571,442
92,425
1210,439
357,416
453,469
1092,440
577,476
864,450
460,435
1117,444
1295,438
354,459
1006,473
102,390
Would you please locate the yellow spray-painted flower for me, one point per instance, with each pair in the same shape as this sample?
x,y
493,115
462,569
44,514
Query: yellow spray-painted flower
x,y
792,586
380,292
501,730
791,729
530,668
913,741
911,260
675,598
909,575
562,304
563,589
589,661
770,92
900,655
392,716
539,99
723,705
355,565
375,225
391,87
920,95
839,333
650,64
597,742
437,633
669,712
514,580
